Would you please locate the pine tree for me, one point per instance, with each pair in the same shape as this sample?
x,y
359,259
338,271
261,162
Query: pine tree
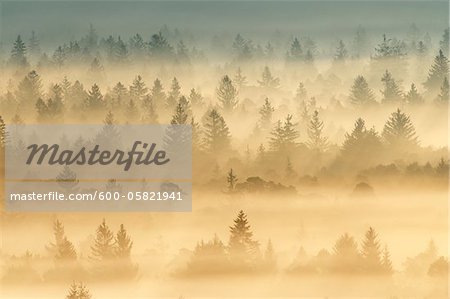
x,y
216,133
131,111
341,52
443,96
159,47
240,79
180,116
67,180
29,90
241,246
444,43
78,291
96,68
413,97
267,80
174,94
284,136
231,180
195,98
439,70
150,114
265,113
18,54
196,135
301,94
317,141
386,261
346,254
120,51
389,48
182,53
138,90
94,100
62,249
242,48
399,132
157,94
227,94
391,92
360,94
295,53
371,252
123,243
104,244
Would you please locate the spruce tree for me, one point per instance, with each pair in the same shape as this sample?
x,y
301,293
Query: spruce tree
x,y
399,132
62,249
295,53
94,100
157,94
346,255
386,261
123,243
241,246
174,94
195,98
67,180
391,92
371,252
360,94
266,112
216,133
317,141
227,94
104,243
341,52
267,80
78,291
284,136
18,54
439,70
240,79
413,97
29,90
138,90
444,43
443,96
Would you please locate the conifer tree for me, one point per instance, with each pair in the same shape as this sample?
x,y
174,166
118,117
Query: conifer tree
x,y
391,92
94,100
241,246
195,98
290,172
270,259
123,243
295,53
301,94
120,51
227,94
138,90
104,244
240,79
399,132
159,47
78,291
316,140
439,70
62,249
444,43
196,135
174,94
29,90
341,52
33,45
216,133
360,94
67,180
371,252
267,80
284,136
386,261
231,180
157,94
346,254
131,111
443,96
265,113
96,68
149,113
413,97
18,54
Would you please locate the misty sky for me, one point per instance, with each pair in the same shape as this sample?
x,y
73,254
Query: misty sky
x,y
59,21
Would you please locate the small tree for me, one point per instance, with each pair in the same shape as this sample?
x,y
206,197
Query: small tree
x,y
138,90
123,243
266,112
268,80
413,97
240,79
103,248
18,58
371,252
391,92
443,96
360,94
386,261
399,131
174,94
242,248
439,70
216,133
78,291
284,136
227,94
231,180
316,140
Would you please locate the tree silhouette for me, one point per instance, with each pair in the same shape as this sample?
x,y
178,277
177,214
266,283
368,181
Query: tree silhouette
x,y
284,136
265,113
240,79
157,94
341,52
371,252
413,97
346,256
104,244
18,54
62,249
195,98
174,94
2,133
78,291
399,132
439,70
391,92
216,133
443,96
295,52
94,100
231,180
360,93
123,243
138,89
317,141
267,80
227,94
242,248
386,261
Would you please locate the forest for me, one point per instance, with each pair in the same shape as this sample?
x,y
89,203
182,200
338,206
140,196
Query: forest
x,y
312,164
